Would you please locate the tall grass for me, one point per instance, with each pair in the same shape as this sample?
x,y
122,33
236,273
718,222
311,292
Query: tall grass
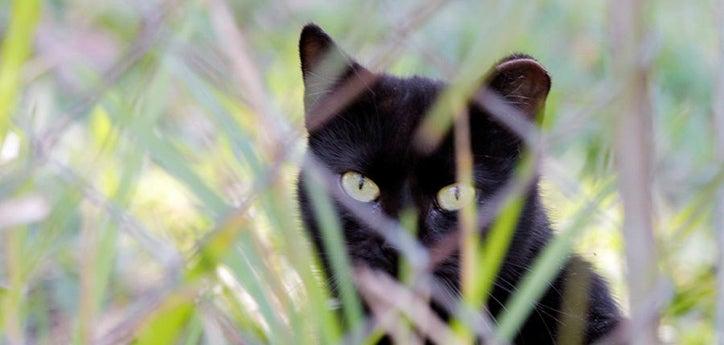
x,y
149,151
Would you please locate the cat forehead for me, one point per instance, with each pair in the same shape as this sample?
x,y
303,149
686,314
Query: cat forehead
x,y
378,128
389,110
399,103
415,90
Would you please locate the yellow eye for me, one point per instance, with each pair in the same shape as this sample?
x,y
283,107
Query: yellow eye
x,y
359,187
455,196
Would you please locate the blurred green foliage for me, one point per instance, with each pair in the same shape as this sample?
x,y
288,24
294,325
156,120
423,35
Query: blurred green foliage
x,y
149,201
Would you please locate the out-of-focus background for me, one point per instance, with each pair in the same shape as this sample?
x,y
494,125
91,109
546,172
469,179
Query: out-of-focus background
x,y
148,152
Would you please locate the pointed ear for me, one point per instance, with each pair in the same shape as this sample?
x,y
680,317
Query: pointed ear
x,y
521,81
314,46
324,66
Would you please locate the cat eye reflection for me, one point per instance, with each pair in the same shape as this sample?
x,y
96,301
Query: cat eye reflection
x,y
455,196
359,187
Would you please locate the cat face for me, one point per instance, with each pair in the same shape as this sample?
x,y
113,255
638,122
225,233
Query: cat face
x,y
370,143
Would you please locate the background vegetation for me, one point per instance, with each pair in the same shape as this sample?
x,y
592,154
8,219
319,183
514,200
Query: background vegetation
x,y
148,152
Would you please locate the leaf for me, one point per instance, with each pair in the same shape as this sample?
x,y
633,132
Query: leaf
x,y
13,53
168,322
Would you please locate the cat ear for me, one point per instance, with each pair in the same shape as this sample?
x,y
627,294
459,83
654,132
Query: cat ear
x,y
314,47
522,82
324,66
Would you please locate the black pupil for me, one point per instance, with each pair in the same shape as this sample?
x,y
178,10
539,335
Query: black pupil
x,y
361,183
457,192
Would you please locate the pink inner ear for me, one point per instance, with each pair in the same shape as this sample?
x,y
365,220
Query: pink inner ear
x,y
313,54
311,49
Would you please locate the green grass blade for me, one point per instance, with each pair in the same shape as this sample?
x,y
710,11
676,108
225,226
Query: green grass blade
x,y
335,249
545,267
13,53
168,323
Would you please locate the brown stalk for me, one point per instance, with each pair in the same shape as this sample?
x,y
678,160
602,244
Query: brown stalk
x,y
382,289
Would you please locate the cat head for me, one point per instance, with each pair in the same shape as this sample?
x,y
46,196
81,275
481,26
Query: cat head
x,y
364,127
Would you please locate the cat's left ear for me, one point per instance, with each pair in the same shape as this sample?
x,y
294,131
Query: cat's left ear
x,y
522,82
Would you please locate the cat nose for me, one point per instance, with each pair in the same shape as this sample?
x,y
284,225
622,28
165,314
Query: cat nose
x,y
406,198
395,203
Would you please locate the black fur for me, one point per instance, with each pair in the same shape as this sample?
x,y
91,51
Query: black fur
x,y
375,135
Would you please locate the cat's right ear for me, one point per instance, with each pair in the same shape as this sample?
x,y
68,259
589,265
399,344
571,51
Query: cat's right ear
x,y
325,68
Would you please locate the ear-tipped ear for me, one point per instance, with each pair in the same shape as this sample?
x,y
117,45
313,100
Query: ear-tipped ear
x,y
324,65
522,81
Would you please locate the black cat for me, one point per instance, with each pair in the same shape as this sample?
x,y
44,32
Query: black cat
x,y
369,143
